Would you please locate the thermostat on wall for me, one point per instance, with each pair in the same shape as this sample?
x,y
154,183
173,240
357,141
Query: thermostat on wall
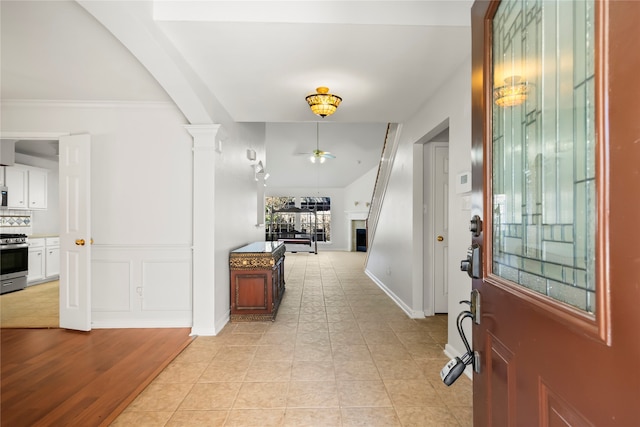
x,y
463,182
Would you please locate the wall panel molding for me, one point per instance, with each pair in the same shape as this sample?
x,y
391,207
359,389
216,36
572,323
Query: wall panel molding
x,y
138,286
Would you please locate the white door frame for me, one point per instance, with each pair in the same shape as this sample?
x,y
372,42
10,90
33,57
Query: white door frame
x,y
421,303
437,298
85,285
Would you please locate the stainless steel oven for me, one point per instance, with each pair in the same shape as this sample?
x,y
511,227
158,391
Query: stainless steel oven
x,y
14,262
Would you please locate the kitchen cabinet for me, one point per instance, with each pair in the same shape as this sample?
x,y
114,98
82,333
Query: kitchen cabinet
x,y
27,187
36,261
44,259
37,188
52,257
16,179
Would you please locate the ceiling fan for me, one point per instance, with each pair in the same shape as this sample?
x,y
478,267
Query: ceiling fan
x,y
318,155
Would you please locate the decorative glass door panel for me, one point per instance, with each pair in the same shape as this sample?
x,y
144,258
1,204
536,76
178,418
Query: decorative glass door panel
x,y
543,148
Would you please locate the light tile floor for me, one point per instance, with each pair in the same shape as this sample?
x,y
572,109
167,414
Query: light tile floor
x,y
340,353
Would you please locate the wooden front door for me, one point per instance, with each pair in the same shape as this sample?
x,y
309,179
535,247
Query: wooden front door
x,y
556,178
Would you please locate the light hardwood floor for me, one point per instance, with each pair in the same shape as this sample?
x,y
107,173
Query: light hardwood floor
x,y
340,353
55,377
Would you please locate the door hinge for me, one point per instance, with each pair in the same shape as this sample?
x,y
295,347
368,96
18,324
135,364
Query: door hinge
x,y
476,362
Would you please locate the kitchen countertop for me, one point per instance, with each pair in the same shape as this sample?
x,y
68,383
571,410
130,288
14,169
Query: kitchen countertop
x,y
42,236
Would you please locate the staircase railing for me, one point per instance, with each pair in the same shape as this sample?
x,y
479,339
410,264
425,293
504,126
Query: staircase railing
x,y
389,149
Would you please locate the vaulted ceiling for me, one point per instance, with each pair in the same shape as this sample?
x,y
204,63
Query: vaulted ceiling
x,y
245,61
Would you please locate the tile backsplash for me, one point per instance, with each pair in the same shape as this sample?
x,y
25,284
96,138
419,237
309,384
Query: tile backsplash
x,y
16,221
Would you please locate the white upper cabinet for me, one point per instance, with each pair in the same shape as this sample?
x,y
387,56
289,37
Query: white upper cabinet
x,y
27,187
16,179
37,189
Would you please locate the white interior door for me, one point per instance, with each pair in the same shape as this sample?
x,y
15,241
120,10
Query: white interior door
x,y
75,232
440,176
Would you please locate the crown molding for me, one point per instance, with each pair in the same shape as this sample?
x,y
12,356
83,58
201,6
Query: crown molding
x,y
51,103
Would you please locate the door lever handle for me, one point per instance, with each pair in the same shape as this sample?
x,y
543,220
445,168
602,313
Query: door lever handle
x,y
80,242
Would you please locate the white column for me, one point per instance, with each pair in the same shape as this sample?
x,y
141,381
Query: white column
x,y
205,145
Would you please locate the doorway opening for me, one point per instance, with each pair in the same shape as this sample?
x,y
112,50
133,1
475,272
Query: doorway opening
x,y
430,209
435,221
38,304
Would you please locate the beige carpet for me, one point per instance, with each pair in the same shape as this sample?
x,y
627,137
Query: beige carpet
x,y
34,307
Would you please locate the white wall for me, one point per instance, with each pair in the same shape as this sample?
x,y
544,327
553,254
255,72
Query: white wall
x,y
357,197
236,205
141,186
391,263
360,192
140,204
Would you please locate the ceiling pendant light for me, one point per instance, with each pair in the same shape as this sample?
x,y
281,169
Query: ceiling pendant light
x,y
512,93
323,103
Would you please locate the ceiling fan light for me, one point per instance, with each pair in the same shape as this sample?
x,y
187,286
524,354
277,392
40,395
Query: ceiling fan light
x,y
323,103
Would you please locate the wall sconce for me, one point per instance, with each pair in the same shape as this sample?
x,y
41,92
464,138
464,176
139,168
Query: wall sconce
x,y
512,93
260,173
262,176
258,167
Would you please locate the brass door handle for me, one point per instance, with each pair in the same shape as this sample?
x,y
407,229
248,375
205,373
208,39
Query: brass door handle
x,y
80,242
440,238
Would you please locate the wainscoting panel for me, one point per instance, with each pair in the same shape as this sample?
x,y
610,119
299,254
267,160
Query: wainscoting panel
x,y
110,285
166,285
141,286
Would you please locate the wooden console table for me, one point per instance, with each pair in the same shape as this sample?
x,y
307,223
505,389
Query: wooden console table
x,y
257,281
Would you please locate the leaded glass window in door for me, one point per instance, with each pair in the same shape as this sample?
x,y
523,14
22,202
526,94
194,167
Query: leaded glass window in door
x,y
543,148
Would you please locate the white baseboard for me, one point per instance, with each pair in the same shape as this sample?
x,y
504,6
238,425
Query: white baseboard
x,y
222,321
203,332
139,323
217,327
414,314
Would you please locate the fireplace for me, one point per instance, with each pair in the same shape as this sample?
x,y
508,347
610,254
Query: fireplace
x,y
361,240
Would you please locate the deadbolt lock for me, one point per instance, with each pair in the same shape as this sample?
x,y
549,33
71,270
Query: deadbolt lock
x,y
475,226
473,263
